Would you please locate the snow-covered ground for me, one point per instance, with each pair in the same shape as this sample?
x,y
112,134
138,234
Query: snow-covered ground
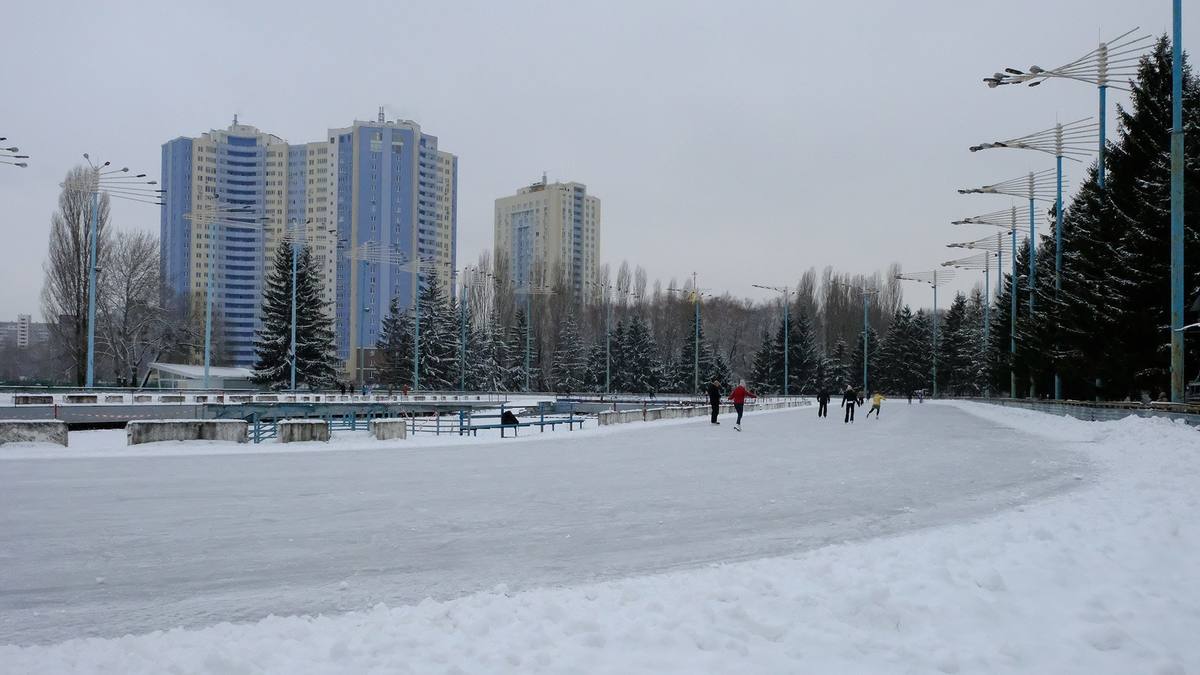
x,y
952,538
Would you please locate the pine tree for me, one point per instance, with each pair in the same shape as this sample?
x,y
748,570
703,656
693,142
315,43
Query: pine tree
x,y
640,372
764,378
394,352
569,359
439,337
315,357
595,371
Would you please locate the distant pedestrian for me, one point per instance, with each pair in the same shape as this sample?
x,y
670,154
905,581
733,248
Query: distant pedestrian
x,y
714,398
405,391
739,396
910,396
920,396
849,400
342,386
876,401
823,402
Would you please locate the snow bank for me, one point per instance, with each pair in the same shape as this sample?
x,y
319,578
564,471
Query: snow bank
x,y
1097,580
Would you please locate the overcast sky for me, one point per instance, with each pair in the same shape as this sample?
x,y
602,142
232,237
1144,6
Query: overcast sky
x,y
746,141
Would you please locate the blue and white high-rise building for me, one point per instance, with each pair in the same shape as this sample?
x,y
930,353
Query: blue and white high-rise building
x,y
381,186
396,194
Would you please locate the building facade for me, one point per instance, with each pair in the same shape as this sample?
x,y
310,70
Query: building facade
x,y
396,213
371,195
547,234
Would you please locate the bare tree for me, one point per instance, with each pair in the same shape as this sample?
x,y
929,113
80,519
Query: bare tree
x,y
65,289
133,325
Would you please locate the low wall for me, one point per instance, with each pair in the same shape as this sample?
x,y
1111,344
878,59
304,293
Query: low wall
x,y
33,399
1100,411
605,418
297,431
33,431
153,431
389,429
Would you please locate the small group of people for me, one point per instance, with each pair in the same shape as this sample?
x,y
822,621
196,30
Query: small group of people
x,y
739,395
851,398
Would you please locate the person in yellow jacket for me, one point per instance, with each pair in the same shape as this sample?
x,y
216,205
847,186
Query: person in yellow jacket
x,y
876,401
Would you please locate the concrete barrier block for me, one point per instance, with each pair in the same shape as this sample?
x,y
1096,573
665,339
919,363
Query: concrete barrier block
x,y
154,431
231,431
33,399
296,431
114,398
33,431
143,398
654,414
240,398
79,398
171,398
389,428
267,398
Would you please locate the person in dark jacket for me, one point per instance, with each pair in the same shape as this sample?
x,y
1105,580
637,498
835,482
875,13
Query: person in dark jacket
x,y
823,402
714,398
849,400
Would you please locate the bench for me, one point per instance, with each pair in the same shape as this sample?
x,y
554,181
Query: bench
x,y
473,429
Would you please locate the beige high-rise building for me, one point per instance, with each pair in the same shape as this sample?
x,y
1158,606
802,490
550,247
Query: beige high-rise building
x,y
549,232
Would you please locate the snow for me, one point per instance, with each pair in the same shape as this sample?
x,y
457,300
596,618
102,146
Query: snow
x,y
940,539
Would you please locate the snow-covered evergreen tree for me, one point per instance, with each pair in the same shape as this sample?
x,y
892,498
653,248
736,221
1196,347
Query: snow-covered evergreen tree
x,y
569,359
393,350
316,356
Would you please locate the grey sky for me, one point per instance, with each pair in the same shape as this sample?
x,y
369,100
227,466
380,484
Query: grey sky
x,y
747,141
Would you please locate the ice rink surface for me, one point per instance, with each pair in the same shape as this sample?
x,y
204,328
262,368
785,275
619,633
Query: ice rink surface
x,y
112,545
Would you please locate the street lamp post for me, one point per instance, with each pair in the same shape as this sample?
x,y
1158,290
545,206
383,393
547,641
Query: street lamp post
x,y
1116,59
7,154
934,278
210,212
976,262
1008,219
695,293
1178,394
866,300
116,183
787,300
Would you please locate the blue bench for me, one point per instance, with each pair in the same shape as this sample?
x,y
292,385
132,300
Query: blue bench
x,y
473,429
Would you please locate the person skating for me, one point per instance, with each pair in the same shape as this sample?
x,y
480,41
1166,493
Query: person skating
x,y
714,398
910,396
739,396
849,400
823,402
876,401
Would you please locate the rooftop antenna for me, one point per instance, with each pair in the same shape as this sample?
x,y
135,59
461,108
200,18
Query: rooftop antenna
x,y
543,178
381,116
235,119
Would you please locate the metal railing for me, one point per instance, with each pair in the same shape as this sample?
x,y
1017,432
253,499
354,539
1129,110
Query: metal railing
x,y
1101,411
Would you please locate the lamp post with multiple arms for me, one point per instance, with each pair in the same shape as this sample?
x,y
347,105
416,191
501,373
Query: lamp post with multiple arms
x,y
694,294
1070,140
209,213
8,154
866,300
934,278
296,237
119,184
979,261
467,272
787,300
608,290
1116,59
1008,219
529,291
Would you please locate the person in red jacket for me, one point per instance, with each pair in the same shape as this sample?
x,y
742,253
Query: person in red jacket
x,y
739,396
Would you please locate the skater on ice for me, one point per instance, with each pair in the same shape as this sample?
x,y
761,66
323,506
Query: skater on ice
x,y
849,400
739,396
714,398
823,402
876,401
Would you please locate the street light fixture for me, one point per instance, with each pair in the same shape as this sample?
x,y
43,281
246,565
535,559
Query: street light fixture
x,y
608,290
787,300
210,212
10,153
934,278
119,184
694,294
980,261
866,300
